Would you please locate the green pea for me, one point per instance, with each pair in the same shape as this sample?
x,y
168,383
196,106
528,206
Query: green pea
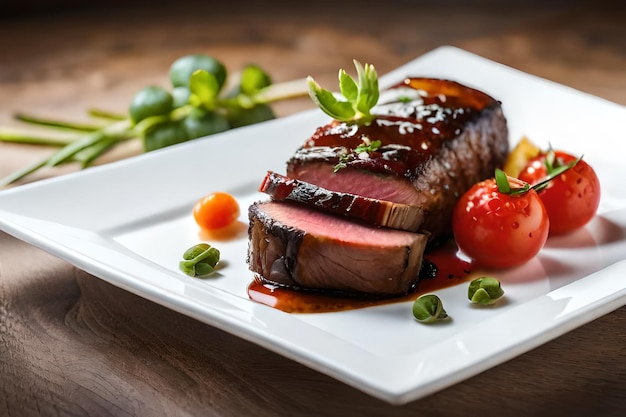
x,y
203,123
238,117
150,101
428,308
199,260
183,67
164,134
484,290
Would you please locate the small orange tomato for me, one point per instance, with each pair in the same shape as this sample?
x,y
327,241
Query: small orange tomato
x,y
216,211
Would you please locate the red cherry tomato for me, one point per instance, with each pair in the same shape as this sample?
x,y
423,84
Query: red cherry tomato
x,y
499,230
571,198
216,211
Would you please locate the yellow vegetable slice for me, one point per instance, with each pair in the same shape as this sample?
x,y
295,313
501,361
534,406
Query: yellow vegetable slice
x,y
517,159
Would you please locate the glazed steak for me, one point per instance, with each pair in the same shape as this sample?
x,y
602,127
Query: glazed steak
x,y
294,246
437,138
376,212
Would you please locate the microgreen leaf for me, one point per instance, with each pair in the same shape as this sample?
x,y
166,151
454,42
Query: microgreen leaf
x,y
502,181
347,86
554,170
359,97
341,164
504,186
340,110
204,89
367,146
368,87
550,159
253,79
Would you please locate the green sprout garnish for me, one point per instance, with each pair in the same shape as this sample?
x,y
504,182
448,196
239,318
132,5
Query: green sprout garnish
x,y
554,170
366,147
359,97
428,309
199,260
484,290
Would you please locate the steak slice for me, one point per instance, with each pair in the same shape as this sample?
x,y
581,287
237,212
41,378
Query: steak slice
x,y
291,245
377,212
438,138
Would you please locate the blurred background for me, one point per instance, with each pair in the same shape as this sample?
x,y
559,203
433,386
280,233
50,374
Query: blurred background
x,y
65,39
59,58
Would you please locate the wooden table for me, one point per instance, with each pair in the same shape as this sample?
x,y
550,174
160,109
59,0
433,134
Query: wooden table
x,y
73,345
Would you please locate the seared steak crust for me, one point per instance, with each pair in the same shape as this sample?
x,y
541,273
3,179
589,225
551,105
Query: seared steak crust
x,y
376,212
293,246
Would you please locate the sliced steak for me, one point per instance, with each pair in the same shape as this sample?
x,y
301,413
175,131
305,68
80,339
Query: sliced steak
x,y
438,138
373,211
294,246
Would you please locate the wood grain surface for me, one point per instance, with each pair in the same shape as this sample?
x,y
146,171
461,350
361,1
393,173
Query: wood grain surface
x,y
73,345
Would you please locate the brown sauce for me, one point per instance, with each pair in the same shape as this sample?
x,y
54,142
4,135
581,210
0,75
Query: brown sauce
x,y
450,270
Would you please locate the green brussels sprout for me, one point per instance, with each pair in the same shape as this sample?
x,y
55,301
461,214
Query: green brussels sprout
x,y
164,134
150,101
182,68
238,117
181,96
200,123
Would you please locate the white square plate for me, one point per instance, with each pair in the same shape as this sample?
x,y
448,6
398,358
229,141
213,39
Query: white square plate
x,y
129,223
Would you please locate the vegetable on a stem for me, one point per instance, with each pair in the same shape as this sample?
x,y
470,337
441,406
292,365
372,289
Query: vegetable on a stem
x,y
358,96
353,104
502,222
197,105
571,198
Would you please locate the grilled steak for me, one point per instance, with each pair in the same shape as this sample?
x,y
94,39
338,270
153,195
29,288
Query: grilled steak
x,y
376,212
294,246
437,138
